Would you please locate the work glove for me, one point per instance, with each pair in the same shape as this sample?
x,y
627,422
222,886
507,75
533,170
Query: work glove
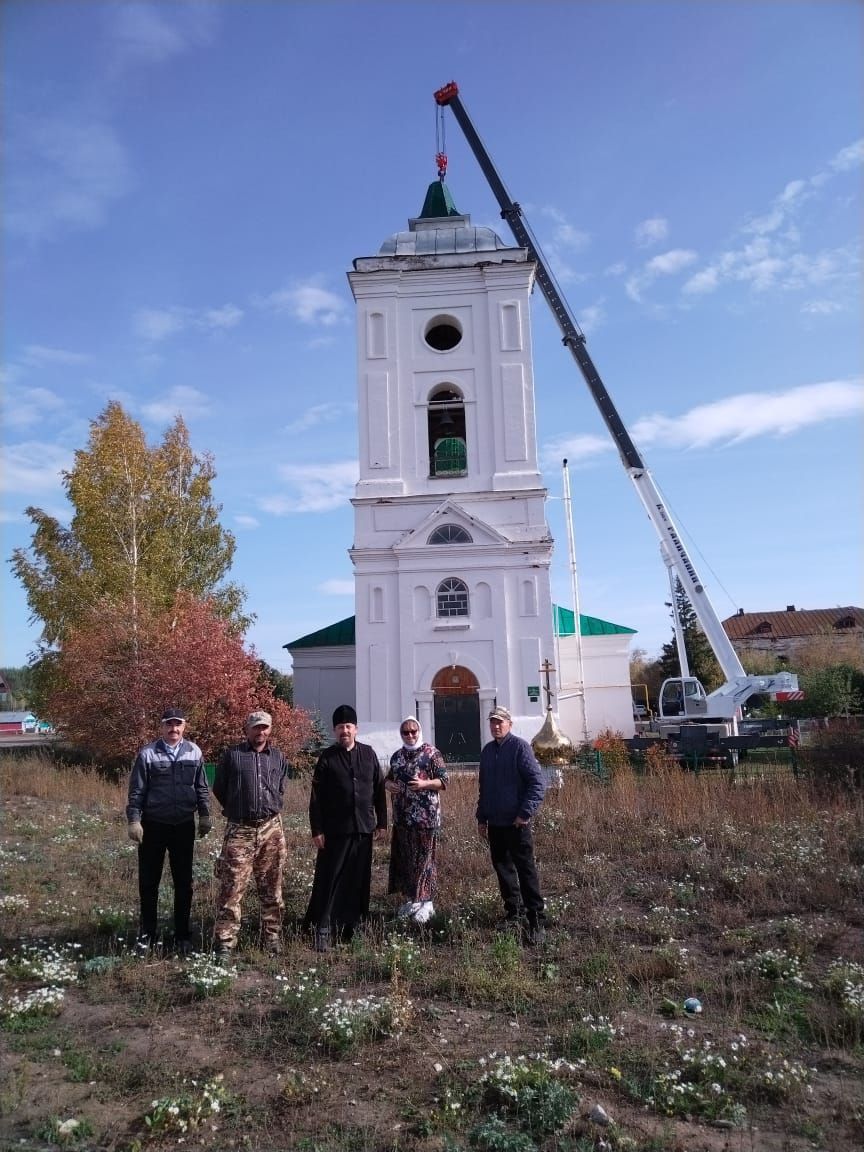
x,y
205,825
136,832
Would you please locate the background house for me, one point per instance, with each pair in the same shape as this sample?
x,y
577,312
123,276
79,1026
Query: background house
x,y
783,634
14,723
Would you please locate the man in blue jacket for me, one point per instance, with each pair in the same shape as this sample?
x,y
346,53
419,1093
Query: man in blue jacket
x,y
166,788
511,791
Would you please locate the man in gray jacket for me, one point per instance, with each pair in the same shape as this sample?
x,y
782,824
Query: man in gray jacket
x,y
511,791
166,788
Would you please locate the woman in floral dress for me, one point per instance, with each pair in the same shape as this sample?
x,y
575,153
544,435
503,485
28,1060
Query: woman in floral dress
x,y
415,780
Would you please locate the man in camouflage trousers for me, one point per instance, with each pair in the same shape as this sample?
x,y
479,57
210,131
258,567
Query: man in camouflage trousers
x,y
249,784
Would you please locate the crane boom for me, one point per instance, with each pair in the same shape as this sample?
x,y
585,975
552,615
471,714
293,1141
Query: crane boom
x,y
739,686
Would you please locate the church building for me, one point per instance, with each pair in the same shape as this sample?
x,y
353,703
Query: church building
x,y
451,552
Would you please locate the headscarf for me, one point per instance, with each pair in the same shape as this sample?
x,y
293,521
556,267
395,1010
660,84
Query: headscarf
x,y
419,744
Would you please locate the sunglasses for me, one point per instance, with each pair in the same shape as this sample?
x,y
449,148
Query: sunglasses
x,y
408,731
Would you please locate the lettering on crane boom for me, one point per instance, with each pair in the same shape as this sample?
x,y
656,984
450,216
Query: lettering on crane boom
x,y
685,559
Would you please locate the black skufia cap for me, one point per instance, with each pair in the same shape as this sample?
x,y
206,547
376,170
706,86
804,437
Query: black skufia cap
x,y
344,714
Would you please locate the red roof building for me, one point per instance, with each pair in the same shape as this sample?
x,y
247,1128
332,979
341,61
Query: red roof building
x,y
785,633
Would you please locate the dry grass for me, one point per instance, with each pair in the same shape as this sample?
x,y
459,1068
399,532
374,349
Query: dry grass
x,y
659,889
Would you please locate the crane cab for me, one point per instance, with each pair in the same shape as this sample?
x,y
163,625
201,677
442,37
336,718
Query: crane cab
x,y
683,696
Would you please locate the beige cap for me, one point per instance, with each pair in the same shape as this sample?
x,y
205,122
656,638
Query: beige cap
x,y
255,719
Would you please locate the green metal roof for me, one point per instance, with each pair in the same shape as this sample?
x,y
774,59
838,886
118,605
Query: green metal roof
x,y
564,621
438,202
330,637
342,633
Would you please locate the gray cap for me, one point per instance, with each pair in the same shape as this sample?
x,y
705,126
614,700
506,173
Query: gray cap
x,y
500,713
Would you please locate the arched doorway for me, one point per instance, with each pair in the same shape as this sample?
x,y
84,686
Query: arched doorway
x,y
457,714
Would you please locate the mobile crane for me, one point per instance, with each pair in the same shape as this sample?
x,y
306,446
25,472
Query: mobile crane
x,y
682,697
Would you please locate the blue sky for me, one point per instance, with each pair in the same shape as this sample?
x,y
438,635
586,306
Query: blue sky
x,y
185,186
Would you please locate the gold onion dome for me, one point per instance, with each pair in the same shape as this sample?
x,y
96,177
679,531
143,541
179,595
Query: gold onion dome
x,y
550,744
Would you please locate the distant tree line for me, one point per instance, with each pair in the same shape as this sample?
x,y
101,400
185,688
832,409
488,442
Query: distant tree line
x,y
19,684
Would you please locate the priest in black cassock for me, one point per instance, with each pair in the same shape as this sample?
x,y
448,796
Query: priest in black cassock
x,y
347,808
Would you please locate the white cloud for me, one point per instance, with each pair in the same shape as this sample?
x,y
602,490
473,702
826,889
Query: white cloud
x,y
821,307
728,421
651,231
850,157
33,466
144,34
665,264
559,245
27,406
319,414
228,316
753,414
591,317
574,449
793,191
247,521
766,263
668,263
158,323
316,488
564,234
770,258
10,373
39,354
35,357
183,400
703,282
309,303
62,172
336,588
762,225
155,324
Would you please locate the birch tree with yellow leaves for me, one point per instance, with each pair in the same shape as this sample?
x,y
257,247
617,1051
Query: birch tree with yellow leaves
x,y
144,529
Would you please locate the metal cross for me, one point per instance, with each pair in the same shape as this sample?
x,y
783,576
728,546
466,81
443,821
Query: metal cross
x,y
546,668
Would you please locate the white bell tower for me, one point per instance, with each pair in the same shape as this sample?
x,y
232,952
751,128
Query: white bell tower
x,y
451,548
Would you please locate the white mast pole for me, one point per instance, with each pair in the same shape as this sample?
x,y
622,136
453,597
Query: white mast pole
x,y
574,588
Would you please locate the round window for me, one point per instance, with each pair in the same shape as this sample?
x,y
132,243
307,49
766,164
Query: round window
x,y
443,333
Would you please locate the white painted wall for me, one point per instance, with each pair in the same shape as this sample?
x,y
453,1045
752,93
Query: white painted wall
x,y
324,678
606,660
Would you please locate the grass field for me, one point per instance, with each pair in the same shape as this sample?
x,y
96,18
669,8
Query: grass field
x,y
749,897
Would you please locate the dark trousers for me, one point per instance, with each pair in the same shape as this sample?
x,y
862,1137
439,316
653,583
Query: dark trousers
x,y
178,840
512,851
341,887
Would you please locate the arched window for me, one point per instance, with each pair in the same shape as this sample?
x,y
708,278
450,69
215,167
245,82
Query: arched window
x,y
448,450
452,597
450,534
